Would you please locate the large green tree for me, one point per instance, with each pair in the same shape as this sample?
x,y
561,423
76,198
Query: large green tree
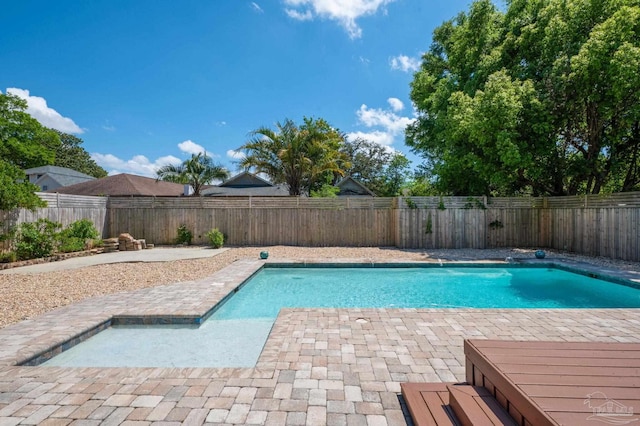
x,y
376,166
541,99
72,155
24,143
196,171
303,157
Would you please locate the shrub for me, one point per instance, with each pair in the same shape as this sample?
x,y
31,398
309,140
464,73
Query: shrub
x,y
71,244
36,239
82,229
77,235
184,235
8,257
327,191
216,238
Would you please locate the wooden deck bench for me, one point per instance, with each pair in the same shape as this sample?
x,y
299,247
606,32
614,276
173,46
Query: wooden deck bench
x,y
534,383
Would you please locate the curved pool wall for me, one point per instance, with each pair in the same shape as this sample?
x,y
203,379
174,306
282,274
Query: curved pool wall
x,y
228,340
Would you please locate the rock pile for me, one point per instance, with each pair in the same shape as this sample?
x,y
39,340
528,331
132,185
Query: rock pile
x,y
127,243
109,245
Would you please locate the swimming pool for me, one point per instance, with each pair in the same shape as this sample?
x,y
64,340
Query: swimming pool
x,y
238,328
516,287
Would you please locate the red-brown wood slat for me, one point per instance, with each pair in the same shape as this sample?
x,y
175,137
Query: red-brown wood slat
x,y
603,361
562,379
577,405
487,346
578,391
576,370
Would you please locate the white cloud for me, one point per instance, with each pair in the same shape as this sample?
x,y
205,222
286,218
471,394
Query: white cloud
x,y
404,63
137,165
377,136
48,117
299,16
345,12
190,147
396,104
236,155
256,7
392,125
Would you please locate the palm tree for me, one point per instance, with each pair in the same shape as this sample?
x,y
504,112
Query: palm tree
x,y
297,156
197,171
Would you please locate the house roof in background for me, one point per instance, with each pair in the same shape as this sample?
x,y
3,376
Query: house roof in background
x,y
245,180
256,191
56,170
349,186
246,184
62,176
124,185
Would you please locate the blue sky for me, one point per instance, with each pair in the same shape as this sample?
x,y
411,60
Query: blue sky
x,y
148,82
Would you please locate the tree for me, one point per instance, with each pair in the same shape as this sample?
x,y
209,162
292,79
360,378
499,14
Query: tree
x,y
197,171
73,156
24,143
395,175
379,168
543,99
16,190
302,157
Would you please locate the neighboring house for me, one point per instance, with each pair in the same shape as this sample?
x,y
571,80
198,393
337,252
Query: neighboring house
x,y
125,185
246,184
52,177
349,187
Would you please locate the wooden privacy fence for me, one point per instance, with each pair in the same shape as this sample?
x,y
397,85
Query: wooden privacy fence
x,y
62,208
596,225
258,221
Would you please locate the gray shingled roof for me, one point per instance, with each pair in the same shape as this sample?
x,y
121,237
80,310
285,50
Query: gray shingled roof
x,y
57,170
258,191
351,187
124,185
246,184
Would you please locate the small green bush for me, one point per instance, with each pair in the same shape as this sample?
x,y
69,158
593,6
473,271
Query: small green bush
x,y
184,235
327,191
71,244
216,238
8,257
36,239
82,229
77,236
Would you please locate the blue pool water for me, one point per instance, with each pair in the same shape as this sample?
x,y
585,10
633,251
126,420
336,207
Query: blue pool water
x,y
237,331
275,288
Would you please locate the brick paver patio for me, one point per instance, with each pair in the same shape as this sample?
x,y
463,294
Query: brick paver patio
x,y
319,366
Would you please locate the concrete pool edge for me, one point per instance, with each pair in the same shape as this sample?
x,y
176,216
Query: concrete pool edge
x,y
240,272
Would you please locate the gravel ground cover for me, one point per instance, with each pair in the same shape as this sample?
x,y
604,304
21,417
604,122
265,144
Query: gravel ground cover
x,y
26,296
